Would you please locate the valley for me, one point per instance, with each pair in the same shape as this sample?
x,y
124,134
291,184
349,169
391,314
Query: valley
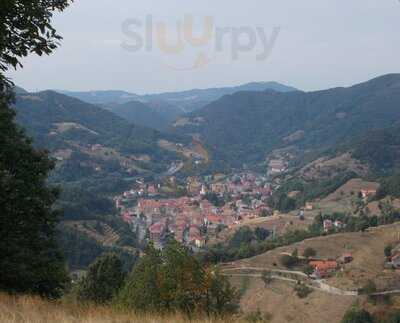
x,y
240,200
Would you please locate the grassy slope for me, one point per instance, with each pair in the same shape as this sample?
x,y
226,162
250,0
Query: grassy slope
x,y
280,300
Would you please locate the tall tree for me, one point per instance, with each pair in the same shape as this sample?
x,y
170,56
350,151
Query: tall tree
x,y
29,258
104,278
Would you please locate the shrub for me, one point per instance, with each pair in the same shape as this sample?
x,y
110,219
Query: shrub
x,y
302,290
288,261
266,277
258,317
388,251
355,315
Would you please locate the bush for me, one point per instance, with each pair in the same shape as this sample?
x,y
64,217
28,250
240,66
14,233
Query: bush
x,y
357,316
258,317
388,251
288,261
302,290
266,277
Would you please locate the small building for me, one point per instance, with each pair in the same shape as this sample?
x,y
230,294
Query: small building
x,y
328,225
322,268
366,193
277,166
309,206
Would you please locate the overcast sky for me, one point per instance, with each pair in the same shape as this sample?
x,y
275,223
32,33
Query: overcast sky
x,y
311,44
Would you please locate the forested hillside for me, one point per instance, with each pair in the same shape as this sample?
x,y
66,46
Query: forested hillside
x,y
84,137
245,127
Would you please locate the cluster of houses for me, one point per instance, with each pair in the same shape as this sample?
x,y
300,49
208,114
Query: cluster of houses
x,y
193,218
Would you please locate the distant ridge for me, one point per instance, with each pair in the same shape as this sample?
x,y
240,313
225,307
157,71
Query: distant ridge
x,y
159,110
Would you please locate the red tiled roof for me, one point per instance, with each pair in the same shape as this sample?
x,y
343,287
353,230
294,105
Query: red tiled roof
x,y
324,265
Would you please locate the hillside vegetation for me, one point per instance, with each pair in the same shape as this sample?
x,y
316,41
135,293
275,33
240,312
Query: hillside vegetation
x,y
247,126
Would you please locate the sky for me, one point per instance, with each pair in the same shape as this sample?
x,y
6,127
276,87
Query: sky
x,y
169,45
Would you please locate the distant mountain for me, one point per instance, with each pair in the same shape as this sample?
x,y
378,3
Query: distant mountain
x,y
101,97
164,108
93,146
247,126
141,114
192,100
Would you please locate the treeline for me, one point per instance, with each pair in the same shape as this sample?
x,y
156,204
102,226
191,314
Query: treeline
x,y
390,186
166,281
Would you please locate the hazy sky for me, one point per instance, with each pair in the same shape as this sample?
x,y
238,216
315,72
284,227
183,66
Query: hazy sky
x,y
312,44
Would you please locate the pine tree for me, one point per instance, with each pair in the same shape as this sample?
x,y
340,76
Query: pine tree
x,y
29,258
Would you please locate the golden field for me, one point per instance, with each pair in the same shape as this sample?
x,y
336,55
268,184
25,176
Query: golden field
x,y
27,309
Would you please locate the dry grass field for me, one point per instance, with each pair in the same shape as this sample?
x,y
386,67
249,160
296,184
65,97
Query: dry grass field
x,y
367,249
27,309
279,298
343,199
282,304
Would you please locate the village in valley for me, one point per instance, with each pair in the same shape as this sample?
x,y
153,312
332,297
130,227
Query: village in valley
x,y
209,205
198,210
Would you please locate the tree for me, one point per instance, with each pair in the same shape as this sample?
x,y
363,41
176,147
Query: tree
x,y
25,27
243,235
302,290
288,261
261,233
172,280
308,270
142,290
309,252
355,315
104,279
388,251
266,277
30,260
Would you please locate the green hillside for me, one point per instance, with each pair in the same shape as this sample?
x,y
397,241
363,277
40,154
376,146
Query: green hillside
x,y
92,145
245,127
